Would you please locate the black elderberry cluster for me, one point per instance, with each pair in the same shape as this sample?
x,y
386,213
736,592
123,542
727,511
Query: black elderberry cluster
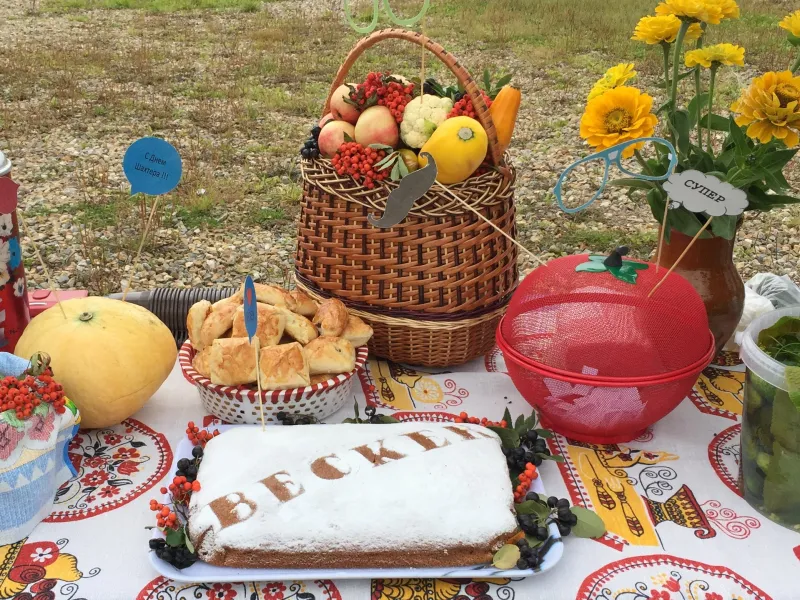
x,y
372,415
560,513
178,556
294,419
529,450
310,148
188,468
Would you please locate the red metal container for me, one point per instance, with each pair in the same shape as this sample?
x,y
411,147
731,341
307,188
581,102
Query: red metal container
x,y
14,311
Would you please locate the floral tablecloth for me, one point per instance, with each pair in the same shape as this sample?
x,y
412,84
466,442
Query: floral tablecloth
x,y
677,527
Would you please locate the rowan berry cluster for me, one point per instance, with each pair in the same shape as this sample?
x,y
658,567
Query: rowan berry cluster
x,y
359,162
199,437
385,90
25,394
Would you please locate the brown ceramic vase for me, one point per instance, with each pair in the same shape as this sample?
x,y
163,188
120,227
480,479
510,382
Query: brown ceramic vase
x,y
709,267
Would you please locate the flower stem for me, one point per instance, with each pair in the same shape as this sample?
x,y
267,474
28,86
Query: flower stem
x,y
676,65
714,67
697,91
642,162
665,48
796,66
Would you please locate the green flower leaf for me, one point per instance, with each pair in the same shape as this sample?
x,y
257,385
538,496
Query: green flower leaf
x,y
589,525
591,267
506,557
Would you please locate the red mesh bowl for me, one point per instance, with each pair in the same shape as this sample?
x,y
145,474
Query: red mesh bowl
x,y
599,359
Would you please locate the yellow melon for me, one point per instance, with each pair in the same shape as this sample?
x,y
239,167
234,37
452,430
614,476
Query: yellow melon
x,y
109,355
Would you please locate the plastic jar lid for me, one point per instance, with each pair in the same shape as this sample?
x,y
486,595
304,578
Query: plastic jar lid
x,y
5,165
758,361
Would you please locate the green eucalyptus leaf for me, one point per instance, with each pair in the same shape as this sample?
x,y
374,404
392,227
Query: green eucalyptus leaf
x,y
403,168
395,175
506,557
382,147
589,525
508,436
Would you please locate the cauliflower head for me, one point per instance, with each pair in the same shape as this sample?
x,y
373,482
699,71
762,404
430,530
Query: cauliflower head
x,y
421,117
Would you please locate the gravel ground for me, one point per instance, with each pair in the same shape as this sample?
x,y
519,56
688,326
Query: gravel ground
x,y
234,213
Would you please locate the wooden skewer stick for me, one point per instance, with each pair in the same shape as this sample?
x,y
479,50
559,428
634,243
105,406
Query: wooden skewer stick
x,y
672,268
661,237
257,348
510,239
41,262
139,251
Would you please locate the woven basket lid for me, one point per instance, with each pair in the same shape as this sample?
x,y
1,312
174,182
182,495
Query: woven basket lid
x,y
586,316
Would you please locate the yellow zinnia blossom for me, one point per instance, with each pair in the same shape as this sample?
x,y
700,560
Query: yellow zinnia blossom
x,y
791,23
698,10
770,107
654,30
729,8
614,77
694,32
722,54
617,116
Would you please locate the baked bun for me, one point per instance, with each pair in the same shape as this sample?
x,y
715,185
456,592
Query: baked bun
x,y
331,317
270,324
357,331
200,362
306,305
322,377
217,322
297,326
232,362
194,321
274,295
328,354
283,367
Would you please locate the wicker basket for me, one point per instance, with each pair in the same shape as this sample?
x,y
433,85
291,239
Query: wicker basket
x,y
435,286
238,404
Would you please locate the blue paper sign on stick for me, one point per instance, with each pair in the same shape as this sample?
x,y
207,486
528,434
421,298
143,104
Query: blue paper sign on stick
x,y
152,165
250,308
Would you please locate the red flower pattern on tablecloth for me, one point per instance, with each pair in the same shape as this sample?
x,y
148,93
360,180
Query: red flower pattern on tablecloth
x,y
673,585
130,457
95,478
76,442
659,595
126,453
221,591
714,596
273,590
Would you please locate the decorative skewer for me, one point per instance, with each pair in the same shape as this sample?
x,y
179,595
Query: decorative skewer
x,y
257,348
661,237
672,268
139,251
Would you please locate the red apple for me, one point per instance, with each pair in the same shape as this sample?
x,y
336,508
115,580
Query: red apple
x,y
376,125
332,136
340,108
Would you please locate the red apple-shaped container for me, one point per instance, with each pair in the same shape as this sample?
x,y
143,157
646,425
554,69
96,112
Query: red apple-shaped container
x,y
599,359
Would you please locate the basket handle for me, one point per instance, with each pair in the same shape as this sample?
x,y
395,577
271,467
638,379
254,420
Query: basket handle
x,y
461,74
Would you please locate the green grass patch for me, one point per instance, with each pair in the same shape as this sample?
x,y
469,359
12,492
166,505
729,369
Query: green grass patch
x,y
603,241
266,217
198,216
153,5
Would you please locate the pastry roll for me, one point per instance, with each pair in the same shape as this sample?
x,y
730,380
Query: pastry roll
x,y
297,326
357,331
194,322
201,362
283,367
274,295
322,377
270,324
306,305
232,362
217,322
330,355
331,317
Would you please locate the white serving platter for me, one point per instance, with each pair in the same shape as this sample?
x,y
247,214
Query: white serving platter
x,y
201,572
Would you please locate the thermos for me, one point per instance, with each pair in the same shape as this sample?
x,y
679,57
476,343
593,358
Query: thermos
x,y
14,311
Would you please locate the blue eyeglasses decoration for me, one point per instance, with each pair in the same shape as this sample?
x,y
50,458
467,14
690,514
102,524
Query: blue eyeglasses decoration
x,y
614,155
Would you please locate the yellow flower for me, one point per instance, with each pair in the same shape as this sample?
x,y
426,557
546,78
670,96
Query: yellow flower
x,y
654,30
614,77
791,23
617,116
729,8
694,32
722,54
770,107
707,11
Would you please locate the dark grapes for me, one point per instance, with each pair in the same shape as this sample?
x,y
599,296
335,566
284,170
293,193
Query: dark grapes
x,y
310,147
